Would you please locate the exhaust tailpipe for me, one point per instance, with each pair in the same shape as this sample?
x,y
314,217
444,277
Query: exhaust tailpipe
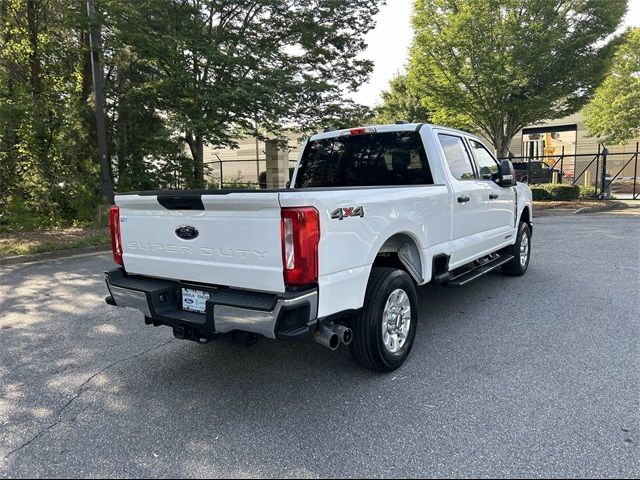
x,y
344,333
326,338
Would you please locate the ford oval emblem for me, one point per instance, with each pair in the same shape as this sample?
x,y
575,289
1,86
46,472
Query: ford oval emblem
x,y
187,232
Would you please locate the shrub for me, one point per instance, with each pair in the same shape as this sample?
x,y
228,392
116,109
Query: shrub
x,y
588,191
238,183
540,193
563,192
556,192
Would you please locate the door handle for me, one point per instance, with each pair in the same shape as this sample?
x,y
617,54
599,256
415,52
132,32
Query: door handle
x,y
463,199
493,196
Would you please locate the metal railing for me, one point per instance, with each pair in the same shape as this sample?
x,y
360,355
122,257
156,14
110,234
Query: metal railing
x,y
608,173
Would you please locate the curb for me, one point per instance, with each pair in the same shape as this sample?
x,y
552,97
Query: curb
x,y
553,212
36,257
605,208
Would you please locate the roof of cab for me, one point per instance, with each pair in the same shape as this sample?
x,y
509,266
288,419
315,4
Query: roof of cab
x,y
400,127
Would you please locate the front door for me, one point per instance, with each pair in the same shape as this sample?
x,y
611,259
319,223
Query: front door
x,y
500,202
469,223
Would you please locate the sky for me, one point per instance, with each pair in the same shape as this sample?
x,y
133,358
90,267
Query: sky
x,y
388,45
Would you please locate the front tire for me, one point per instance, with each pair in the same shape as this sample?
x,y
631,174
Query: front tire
x,y
385,329
521,251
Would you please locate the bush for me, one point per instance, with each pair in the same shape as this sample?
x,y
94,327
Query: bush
x,y
238,183
588,191
563,192
540,193
19,216
556,192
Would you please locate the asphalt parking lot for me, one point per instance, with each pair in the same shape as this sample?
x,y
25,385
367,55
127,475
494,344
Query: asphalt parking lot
x,y
531,376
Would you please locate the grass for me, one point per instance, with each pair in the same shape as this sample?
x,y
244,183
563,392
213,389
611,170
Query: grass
x,y
25,243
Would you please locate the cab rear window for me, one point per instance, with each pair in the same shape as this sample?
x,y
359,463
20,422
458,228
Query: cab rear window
x,y
375,159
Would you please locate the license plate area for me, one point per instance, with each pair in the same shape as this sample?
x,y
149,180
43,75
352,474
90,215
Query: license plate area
x,y
194,300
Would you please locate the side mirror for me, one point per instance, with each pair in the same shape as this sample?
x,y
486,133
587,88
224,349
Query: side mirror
x,y
507,174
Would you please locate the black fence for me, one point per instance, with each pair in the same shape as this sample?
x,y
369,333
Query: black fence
x,y
239,174
608,174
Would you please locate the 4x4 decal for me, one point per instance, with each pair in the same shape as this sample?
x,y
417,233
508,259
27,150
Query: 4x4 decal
x,y
342,213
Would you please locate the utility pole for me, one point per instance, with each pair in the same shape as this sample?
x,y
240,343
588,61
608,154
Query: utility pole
x,y
94,43
257,155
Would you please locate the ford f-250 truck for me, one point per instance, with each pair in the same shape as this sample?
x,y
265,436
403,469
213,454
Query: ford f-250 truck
x,y
370,214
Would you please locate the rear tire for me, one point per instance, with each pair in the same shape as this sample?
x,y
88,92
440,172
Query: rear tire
x,y
521,251
385,328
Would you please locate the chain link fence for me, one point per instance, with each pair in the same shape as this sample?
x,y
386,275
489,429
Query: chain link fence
x,y
609,174
239,174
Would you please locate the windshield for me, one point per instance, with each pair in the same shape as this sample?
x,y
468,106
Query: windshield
x,y
376,159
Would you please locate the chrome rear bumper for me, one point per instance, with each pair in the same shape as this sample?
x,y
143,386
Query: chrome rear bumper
x,y
283,316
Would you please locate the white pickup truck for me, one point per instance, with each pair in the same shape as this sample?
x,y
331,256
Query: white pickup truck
x,y
370,214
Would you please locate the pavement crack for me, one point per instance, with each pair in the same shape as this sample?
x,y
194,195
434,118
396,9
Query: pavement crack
x,y
81,389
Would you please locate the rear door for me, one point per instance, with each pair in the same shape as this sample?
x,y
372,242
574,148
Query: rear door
x,y
468,207
231,239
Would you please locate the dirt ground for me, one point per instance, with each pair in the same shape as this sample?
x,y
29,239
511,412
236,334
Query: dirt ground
x,y
575,204
23,243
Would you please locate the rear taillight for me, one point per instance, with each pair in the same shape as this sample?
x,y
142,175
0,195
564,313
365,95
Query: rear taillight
x,y
300,237
116,238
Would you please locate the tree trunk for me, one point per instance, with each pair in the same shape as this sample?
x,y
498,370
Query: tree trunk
x,y
502,148
500,140
502,134
34,57
106,181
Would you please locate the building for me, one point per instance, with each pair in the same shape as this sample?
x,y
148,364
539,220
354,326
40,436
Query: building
x,y
564,144
568,133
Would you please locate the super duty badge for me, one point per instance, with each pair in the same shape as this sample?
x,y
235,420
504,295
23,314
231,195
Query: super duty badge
x,y
342,213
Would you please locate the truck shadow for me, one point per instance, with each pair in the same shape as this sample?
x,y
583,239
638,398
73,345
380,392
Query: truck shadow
x,y
72,364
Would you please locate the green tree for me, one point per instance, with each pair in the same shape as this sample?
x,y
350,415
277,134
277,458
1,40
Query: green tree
x,y
499,65
614,113
45,148
223,66
401,103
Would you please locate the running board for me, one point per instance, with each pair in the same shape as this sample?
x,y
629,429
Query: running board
x,y
470,275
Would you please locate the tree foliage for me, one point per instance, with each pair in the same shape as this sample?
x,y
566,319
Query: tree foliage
x,y
614,113
498,65
46,170
220,67
177,74
401,103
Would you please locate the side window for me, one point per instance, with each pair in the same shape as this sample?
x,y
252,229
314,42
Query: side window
x,y
486,163
457,157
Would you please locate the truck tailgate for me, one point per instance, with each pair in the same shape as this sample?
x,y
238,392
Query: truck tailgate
x,y
236,238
